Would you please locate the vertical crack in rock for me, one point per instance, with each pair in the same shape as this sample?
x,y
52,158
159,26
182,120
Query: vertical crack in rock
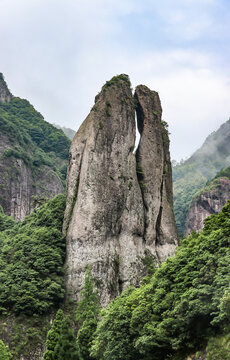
x,y
112,225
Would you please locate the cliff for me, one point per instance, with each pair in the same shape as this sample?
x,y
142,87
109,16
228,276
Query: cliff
x,y
5,94
119,213
23,187
33,156
208,201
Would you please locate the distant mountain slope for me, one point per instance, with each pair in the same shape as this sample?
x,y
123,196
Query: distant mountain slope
x,y
202,166
209,200
33,155
67,131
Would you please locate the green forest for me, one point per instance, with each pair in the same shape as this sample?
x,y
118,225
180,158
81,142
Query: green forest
x,y
180,308
32,139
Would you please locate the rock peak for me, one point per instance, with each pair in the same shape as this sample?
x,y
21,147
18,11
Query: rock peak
x,y
5,94
119,204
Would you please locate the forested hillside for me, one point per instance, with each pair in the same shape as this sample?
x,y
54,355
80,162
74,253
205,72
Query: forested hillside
x,y
209,200
183,306
33,156
32,255
193,174
32,139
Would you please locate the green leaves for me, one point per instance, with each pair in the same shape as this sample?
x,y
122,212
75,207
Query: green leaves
x,y
32,139
31,261
61,342
4,352
87,313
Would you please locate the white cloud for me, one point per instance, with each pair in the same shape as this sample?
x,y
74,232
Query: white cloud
x,y
58,54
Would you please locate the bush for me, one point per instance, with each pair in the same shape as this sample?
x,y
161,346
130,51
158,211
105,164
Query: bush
x,y
4,352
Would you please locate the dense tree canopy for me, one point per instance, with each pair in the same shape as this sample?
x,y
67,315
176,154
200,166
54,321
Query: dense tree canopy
x,y
186,300
31,138
31,260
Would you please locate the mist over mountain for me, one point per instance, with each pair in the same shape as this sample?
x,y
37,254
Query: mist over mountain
x,y
69,132
208,201
193,174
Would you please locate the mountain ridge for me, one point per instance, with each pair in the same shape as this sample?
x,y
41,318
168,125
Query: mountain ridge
x,y
193,174
33,156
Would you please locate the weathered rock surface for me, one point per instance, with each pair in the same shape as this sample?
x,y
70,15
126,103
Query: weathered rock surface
x,y
210,201
5,95
119,209
155,174
20,187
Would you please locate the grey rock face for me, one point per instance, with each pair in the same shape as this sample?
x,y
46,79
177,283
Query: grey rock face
x,y
5,95
210,201
112,219
155,174
20,187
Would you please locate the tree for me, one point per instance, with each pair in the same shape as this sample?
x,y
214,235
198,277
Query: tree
x,y
61,342
4,351
87,315
66,347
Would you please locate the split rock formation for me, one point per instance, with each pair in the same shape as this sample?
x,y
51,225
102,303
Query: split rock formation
x,y
119,213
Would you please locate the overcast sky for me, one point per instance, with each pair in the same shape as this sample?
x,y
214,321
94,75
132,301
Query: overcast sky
x,y
58,53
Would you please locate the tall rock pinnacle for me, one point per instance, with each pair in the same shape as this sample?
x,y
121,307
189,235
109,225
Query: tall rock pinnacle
x,y
5,95
155,174
119,204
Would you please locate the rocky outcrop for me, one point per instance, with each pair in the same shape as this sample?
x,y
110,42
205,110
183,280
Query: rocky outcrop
x,y
5,95
119,204
209,201
21,187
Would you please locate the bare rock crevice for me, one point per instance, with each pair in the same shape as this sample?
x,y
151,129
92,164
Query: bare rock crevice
x,y
112,224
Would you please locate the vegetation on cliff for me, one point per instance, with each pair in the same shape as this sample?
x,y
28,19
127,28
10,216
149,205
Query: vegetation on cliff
x,y
225,172
4,351
87,314
31,138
